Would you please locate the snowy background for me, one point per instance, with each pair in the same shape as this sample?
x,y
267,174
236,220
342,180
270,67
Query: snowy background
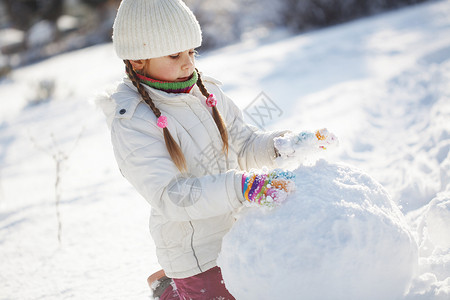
x,y
381,84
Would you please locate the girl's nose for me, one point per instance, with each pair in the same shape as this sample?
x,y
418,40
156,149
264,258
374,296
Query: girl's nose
x,y
188,62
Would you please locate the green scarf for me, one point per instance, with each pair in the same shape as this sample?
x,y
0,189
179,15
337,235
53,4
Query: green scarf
x,y
170,87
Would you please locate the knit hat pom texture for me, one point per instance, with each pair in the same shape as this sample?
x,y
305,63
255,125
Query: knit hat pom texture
x,y
145,29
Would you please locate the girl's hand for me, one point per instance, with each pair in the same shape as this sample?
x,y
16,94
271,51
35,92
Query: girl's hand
x,y
267,189
294,148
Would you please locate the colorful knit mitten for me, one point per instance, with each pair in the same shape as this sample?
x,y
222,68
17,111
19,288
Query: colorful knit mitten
x,y
268,189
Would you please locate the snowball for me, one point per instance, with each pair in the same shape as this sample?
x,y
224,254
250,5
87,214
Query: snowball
x,y
295,149
339,236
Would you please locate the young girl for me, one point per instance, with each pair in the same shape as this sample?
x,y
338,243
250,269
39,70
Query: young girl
x,y
182,143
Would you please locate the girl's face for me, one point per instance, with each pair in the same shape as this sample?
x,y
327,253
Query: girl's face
x,y
172,68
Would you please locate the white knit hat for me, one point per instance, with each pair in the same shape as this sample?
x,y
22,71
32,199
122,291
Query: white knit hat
x,y
146,29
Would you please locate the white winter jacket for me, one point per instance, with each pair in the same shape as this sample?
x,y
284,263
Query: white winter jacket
x,y
190,213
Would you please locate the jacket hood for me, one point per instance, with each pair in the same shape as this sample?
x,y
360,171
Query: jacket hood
x,y
106,104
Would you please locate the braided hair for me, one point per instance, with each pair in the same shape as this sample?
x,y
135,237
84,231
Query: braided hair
x,y
172,147
220,123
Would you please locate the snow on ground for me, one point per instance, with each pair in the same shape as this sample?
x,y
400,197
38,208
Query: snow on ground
x,y
380,84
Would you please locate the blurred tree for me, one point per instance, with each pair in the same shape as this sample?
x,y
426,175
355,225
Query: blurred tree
x,y
101,21
24,13
51,10
21,12
95,3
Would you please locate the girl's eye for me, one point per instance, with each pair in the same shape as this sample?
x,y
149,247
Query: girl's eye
x,y
191,53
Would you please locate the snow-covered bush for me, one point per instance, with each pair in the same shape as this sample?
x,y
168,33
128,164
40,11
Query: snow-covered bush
x,y
303,15
218,21
43,91
41,34
339,236
225,22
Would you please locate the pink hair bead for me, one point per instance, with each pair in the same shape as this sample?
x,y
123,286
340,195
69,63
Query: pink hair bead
x,y
211,101
162,122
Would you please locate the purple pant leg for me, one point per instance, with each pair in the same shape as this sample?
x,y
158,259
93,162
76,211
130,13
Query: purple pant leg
x,y
204,286
170,294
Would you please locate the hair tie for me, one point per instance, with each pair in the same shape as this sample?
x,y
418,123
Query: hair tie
x,y
162,122
211,100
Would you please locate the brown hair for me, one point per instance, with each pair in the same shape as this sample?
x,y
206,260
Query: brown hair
x,y
174,149
216,115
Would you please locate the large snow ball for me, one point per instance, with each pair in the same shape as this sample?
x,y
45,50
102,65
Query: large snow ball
x,y
339,236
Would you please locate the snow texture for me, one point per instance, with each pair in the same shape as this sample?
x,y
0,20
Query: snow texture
x,y
297,148
339,236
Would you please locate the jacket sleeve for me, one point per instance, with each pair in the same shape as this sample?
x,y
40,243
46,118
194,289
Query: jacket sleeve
x,y
254,147
143,159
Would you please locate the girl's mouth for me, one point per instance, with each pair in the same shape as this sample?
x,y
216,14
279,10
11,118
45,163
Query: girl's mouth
x,y
181,79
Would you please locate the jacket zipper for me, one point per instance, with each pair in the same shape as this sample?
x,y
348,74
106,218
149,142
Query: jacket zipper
x,y
192,247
